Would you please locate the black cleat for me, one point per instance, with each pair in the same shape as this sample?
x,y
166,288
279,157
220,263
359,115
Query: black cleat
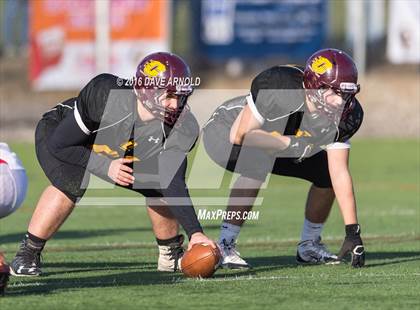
x,y
27,262
4,277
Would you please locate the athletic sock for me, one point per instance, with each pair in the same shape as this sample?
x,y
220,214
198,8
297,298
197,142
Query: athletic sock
x,y
311,231
229,232
34,243
177,239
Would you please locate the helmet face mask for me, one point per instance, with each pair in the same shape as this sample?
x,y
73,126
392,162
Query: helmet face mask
x,y
160,76
317,98
152,100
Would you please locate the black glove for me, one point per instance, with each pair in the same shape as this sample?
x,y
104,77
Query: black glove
x,y
322,130
299,148
4,277
353,244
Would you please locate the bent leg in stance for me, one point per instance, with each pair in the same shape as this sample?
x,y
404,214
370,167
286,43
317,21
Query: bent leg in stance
x,y
242,198
318,204
164,225
52,210
318,207
166,230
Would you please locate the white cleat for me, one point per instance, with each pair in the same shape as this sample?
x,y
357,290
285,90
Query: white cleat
x,y
231,258
314,252
170,256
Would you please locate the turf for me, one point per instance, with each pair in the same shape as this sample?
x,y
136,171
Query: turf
x,y
105,256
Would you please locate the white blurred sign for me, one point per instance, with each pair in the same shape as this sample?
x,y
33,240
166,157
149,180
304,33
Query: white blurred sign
x,y
404,31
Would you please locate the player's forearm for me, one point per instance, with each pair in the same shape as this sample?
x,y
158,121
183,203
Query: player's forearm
x,y
172,168
343,189
263,139
179,202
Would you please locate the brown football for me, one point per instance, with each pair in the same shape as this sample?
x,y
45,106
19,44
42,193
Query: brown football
x,y
200,261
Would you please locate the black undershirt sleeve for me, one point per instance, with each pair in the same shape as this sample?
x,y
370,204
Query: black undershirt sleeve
x,y
172,168
68,144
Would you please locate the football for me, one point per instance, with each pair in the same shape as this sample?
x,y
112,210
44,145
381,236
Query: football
x,y
200,261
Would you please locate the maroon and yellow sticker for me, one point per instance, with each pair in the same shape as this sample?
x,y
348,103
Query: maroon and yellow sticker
x,y
320,65
153,68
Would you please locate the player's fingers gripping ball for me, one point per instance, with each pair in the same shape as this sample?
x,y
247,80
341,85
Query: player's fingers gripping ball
x,y
201,261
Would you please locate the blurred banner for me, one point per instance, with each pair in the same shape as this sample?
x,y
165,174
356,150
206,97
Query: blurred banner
x,y
404,31
246,28
62,39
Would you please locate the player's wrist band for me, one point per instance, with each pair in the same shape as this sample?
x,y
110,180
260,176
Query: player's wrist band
x,y
353,230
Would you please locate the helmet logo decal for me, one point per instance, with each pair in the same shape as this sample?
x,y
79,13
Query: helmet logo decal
x,y
320,65
153,67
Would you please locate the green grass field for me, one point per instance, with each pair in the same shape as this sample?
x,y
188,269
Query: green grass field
x,y
105,256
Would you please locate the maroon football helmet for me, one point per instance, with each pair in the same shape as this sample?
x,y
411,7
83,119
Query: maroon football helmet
x,y
330,69
159,75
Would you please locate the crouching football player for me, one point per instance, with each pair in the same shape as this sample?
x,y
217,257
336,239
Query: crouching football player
x,y
13,187
135,133
295,122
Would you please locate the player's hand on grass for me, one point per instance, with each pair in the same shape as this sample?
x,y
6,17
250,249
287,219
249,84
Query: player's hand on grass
x,y
353,245
199,237
120,173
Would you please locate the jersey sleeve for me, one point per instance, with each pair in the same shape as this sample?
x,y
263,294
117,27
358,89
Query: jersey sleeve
x,y
339,145
92,100
68,144
351,123
276,93
255,111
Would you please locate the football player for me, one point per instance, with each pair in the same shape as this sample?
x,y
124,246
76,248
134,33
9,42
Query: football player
x,y
13,187
135,133
4,274
13,181
295,122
